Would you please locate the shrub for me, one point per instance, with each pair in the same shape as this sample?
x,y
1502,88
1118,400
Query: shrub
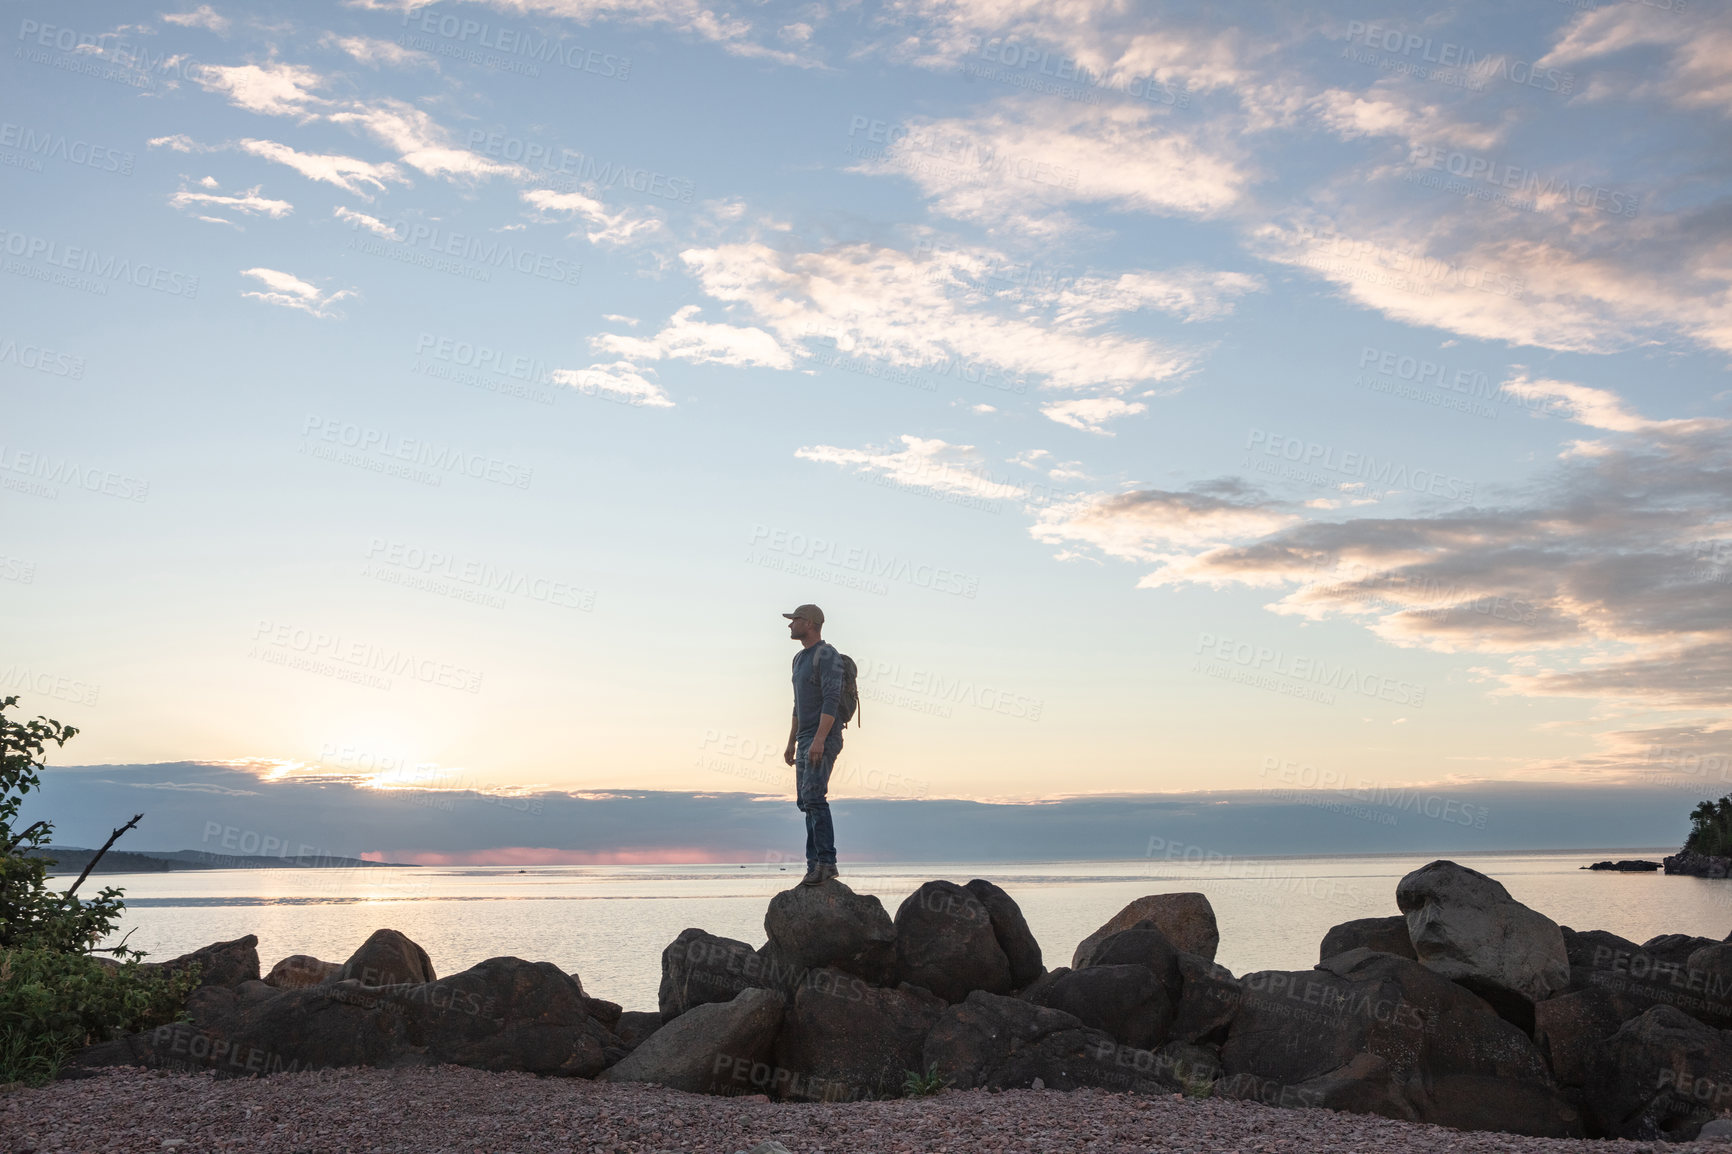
x,y
53,1002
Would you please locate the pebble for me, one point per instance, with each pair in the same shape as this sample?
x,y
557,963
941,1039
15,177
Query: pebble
x,y
446,1109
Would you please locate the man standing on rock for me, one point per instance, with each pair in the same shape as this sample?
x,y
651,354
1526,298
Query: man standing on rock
x,y
814,738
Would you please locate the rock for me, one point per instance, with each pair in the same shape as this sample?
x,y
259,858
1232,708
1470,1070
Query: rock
x,y
1688,863
810,927
1126,1001
298,971
1675,948
507,1014
1386,935
1195,1068
1627,865
1659,973
767,1146
636,1025
219,964
1187,919
1208,998
1012,932
843,1040
1465,926
603,1011
994,1042
1591,952
945,943
388,958
1719,1130
1374,1033
1570,1030
503,1014
713,1048
1141,945
1661,1075
698,968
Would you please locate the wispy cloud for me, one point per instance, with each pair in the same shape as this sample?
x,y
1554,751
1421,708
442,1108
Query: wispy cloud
x,y
346,172
291,292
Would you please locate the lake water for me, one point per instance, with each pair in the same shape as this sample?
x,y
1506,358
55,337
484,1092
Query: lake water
x,y
609,923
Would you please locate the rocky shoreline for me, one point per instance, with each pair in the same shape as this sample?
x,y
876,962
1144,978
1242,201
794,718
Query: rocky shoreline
x,y
1463,1009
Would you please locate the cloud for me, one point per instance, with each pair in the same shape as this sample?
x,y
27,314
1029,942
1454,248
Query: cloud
x,y
249,203
686,338
179,142
274,89
1152,524
292,292
204,16
616,228
419,140
1393,111
346,172
620,380
734,34
1015,168
943,313
1091,414
373,52
361,220
923,462
1597,586
1695,72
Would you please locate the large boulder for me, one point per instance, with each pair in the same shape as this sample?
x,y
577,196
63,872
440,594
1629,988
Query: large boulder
x,y
1571,1029
698,968
636,1025
993,1042
1126,1001
1141,945
716,1048
1661,1075
1187,919
1011,930
945,943
810,927
388,958
1465,926
219,964
298,971
1208,998
1595,952
843,1040
1386,935
1373,1033
1675,948
1687,973
503,1014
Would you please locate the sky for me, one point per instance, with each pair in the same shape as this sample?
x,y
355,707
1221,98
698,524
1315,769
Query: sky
x,y
1157,400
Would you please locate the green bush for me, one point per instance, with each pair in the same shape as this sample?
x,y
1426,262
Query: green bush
x,y
52,1003
55,996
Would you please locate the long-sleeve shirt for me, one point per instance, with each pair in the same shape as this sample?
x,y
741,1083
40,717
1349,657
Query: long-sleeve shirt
x,y
817,686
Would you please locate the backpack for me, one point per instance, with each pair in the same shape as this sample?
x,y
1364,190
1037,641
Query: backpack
x,y
848,708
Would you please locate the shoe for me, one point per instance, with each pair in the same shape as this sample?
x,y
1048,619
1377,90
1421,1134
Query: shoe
x,y
827,871
814,875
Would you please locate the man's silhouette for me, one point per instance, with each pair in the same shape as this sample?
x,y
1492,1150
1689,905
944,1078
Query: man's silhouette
x,y
814,738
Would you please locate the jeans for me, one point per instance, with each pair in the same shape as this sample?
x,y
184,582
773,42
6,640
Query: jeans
x,y
811,793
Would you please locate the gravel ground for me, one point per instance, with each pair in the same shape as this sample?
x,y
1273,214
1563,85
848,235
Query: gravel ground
x,y
451,1109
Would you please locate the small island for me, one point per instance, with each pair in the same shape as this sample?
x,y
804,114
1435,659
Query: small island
x,y
1707,852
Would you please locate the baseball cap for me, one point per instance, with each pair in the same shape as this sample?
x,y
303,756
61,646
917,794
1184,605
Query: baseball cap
x,y
810,612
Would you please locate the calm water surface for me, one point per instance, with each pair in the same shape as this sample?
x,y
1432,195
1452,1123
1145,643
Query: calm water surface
x,y
609,923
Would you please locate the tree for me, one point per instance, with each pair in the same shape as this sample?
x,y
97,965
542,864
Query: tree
x,y
1711,828
32,915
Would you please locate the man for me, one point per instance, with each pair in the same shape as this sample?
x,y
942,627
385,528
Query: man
x,y
814,739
